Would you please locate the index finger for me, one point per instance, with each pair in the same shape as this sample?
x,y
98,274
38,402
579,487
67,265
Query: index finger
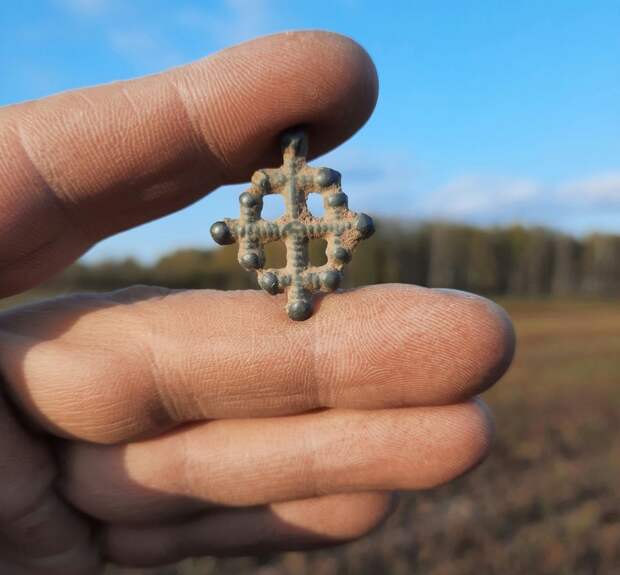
x,y
85,164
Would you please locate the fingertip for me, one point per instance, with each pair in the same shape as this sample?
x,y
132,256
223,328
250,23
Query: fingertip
x,y
433,347
494,337
370,512
358,88
339,518
464,436
478,432
323,81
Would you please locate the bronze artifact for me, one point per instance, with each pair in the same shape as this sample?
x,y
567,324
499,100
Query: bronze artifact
x,y
341,228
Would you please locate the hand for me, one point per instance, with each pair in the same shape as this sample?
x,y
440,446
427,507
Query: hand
x,y
147,425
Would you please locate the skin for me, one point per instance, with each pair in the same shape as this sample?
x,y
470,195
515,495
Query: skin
x,y
146,425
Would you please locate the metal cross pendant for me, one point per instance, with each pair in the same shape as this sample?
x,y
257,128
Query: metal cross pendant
x,y
341,228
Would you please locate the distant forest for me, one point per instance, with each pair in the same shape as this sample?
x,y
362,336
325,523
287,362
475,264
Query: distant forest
x,y
494,261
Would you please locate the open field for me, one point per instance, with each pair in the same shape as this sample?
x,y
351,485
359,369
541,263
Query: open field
x,y
547,500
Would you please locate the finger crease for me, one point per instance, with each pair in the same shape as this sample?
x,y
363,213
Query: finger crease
x,y
187,476
52,192
31,507
311,471
125,94
32,253
157,377
202,147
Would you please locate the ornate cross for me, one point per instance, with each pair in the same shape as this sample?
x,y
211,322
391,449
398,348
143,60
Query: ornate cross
x,y
341,228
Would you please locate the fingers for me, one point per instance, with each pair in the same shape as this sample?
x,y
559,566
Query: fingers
x,y
294,525
84,164
38,531
107,368
260,461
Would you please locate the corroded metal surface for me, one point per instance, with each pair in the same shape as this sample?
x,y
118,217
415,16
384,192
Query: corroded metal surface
x,y
341,228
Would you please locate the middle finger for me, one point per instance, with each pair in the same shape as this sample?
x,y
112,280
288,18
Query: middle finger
x,y
112,367
258,461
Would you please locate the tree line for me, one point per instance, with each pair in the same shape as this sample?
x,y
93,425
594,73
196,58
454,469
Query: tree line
x,y
514,260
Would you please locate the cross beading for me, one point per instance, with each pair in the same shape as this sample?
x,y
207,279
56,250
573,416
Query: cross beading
x,y
341,228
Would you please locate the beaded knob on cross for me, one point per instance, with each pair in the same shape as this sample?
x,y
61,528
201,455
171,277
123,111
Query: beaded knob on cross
x,y
341,228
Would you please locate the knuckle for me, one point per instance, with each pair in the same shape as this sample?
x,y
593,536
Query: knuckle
x,y
95,480
83,474
21,500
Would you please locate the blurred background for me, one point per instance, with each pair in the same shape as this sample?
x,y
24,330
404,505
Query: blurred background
x,y
491,164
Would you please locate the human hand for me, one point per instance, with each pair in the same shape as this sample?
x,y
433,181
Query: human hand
x,y
148,425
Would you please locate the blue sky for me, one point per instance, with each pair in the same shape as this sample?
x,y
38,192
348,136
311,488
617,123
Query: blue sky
x,y
489,112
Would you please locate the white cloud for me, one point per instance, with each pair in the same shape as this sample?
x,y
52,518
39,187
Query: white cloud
x,y
579,205
86,7
380,182
143,47
600,189
129,31
476,195
232,22
147,42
